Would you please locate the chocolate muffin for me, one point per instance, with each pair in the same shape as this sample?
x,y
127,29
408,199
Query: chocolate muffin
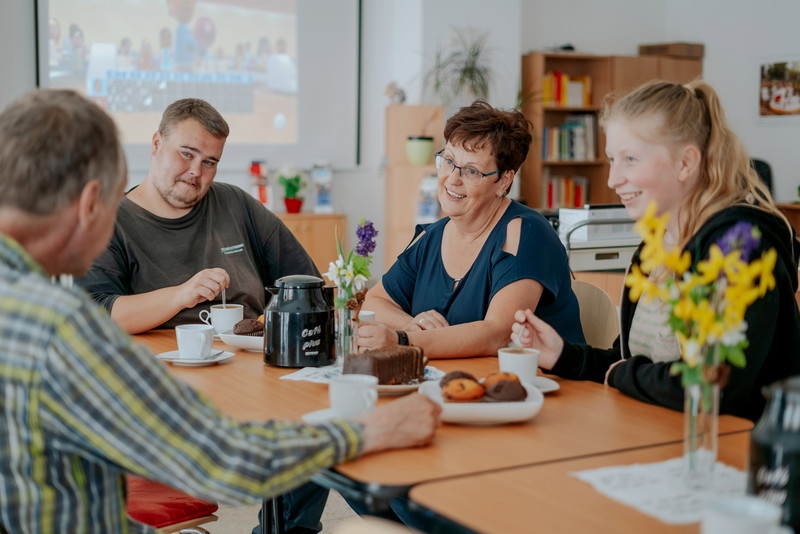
x,y
248,327
452,375
507,391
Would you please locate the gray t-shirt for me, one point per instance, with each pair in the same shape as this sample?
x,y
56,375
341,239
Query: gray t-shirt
x,y
228,228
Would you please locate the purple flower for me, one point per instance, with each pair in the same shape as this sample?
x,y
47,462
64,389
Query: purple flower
x,y
743,237
366,234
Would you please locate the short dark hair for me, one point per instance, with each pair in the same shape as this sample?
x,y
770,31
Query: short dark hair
x,y
506,133
52,143
199,110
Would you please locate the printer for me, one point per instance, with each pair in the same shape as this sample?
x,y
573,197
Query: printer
x,y
598,237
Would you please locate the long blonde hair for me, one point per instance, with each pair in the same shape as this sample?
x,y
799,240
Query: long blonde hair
x,y
692,114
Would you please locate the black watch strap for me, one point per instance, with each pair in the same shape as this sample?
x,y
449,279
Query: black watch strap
x,y
402,337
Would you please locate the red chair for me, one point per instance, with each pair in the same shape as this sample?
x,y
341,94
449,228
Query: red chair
x,y
166,508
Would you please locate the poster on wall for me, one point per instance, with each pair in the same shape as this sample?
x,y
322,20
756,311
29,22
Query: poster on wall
x,y
779,92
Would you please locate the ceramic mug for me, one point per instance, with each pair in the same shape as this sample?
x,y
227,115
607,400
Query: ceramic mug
x,y
194,340
366,315
746,514
223,319
353,394
521,361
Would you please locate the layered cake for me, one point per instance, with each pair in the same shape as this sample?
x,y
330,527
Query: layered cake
x,y
392,365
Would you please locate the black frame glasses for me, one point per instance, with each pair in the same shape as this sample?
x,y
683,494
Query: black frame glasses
x,y
471,175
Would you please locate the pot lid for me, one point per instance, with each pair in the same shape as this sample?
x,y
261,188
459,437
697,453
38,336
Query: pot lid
x,y
299,281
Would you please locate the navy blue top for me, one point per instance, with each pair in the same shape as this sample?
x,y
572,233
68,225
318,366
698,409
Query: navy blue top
x,y
418,281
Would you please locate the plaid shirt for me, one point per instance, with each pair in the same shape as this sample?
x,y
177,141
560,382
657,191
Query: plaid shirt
x,y
81,405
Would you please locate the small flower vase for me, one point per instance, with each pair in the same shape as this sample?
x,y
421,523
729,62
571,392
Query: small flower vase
x,y
700,430
346,334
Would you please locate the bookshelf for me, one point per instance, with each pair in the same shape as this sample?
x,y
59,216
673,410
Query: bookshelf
x,y
604,75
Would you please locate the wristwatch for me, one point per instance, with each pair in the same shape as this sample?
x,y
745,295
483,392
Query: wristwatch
x,y
402,338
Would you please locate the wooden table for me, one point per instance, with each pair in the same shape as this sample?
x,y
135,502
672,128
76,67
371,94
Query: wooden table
x,y
582,418
546,498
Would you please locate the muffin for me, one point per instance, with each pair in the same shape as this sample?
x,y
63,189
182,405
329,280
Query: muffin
x,y
506,391
462,390
452,375
248,327
497,376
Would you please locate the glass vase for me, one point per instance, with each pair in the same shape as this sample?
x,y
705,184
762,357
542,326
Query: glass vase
x,y
701,421
346,334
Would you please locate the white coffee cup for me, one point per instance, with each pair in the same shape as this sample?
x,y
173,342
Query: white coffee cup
x,y
366,315
353,394
521,361
223,319
194,340
746,514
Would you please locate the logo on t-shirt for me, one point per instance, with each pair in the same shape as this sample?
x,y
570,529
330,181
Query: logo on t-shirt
x,y
235,249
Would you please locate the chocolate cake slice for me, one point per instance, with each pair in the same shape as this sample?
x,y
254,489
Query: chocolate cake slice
x,y
393,365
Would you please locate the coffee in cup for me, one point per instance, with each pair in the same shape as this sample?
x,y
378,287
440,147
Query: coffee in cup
x,y
353,394
223,318
521,361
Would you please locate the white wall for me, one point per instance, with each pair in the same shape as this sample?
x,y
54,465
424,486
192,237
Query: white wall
x,y
401,36
737,34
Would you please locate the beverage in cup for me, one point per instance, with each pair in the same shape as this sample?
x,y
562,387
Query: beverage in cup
x,y
521,361
194,340
223,317
353,394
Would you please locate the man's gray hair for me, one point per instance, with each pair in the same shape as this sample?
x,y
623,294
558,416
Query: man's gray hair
x,y
52,143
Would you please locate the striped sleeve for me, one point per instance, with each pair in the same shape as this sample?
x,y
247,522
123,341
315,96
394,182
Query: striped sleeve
x,y
112,400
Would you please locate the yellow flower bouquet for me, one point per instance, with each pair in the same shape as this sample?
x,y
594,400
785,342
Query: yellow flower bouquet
x,y
706,304
706,307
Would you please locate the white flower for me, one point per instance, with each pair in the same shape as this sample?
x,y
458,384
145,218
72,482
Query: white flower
x,y
692,354
288,171
334,270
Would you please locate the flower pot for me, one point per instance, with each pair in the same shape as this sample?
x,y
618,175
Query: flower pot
x,y
293,205
419,150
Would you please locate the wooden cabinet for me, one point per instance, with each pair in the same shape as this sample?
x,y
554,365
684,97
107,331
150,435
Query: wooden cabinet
x,y
402,185
317,234
607,74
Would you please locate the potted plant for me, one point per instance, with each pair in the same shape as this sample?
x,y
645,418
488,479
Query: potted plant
x,y
458,75
461,74
292,181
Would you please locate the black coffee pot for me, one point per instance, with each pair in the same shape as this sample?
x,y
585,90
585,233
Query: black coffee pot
x,y
774,473
300,323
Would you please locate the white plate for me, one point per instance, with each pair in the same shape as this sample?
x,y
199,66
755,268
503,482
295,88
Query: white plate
x,y
251,343
485,413
395,390
319,416
546,385
174,358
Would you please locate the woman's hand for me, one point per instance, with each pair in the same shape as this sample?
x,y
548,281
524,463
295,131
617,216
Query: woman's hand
x,y
374,336
538,335
427,320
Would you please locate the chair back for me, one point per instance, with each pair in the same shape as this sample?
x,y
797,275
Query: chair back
x,y
598,314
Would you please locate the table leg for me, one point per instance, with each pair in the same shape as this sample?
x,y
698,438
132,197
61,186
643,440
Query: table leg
x,y
272,516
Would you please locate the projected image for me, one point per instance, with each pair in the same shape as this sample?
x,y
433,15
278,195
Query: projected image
x,y
135,57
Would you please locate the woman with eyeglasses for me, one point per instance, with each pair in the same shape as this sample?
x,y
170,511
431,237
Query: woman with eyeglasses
x,y
453,291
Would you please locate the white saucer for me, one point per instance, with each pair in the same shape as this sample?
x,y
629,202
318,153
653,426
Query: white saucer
x,y
546,385
174,358
319,416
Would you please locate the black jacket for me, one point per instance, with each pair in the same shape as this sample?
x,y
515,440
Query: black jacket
x,y
773,330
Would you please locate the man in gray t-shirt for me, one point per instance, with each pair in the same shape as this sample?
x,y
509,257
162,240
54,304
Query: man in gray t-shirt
x,y
180,239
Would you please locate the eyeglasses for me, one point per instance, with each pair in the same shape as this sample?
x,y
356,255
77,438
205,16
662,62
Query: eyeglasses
x,y
468,174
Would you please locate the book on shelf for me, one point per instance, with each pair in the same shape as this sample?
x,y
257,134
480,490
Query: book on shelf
x,y
572,141
561,89
563,191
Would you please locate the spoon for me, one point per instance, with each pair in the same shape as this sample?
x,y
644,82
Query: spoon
x,y
212,355
223,298
516,343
